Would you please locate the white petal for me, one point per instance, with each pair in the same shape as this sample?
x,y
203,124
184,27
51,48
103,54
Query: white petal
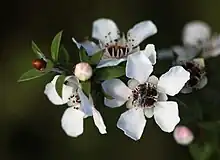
x,y
109,62
73,82
185,53
50,91
141,31
138,67
173,81
212,47
117,89
149,112
86,105
162,97
202,83
89,46
150,52
153,79
113,103
132,122
132,83
72,122
211,53
105,30
195,33
166,115
98,120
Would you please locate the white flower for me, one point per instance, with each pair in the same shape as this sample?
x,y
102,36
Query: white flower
x,y
146,96
116,47
183,135
83,71
80,106
197,38
198,79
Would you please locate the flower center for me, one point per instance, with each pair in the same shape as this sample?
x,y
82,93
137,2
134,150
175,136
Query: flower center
x,y
74,101
117,47
145,95
116,51
196,73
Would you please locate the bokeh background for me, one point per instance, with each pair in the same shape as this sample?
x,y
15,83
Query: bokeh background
x,y
30,124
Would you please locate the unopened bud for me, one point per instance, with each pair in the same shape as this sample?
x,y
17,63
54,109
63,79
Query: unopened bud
x,y
83,71
183,135
39,64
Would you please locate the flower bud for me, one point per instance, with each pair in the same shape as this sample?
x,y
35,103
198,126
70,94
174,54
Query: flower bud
x,y
183,135
83,71
39,64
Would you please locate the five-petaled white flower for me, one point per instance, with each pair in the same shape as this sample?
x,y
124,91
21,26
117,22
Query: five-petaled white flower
x,y
146,96
80,106
197,39
116,47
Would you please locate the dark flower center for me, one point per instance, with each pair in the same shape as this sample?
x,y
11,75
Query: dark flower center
x,y
196,73
117,51
145,95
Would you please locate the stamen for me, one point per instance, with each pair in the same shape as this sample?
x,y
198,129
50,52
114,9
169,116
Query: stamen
x,y
144,95
196,73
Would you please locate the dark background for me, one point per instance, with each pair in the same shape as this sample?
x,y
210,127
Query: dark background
x,y
30,124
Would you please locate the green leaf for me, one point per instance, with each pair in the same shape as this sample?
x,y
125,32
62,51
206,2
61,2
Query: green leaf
x,y
33,73
96,58
201,152
37,51
109,72
63,55
55,46
83,55
86,87
59,84
211,126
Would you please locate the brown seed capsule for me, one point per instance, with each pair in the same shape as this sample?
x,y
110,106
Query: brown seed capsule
x,y
39,64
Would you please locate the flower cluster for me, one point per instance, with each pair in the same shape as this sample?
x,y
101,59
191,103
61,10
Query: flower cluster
x,y
114,65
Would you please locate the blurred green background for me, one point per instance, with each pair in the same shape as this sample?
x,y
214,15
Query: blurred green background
x,y
30,124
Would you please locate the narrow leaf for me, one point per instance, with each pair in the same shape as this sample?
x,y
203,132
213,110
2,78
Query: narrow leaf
x,y
33,73
63,55
55,46
37,51
109,72
96,58
59,85
86,87
83,55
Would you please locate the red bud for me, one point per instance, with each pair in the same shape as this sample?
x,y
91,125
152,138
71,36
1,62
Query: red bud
x,y
39,64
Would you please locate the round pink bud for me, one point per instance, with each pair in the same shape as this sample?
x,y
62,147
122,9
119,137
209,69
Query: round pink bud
x,y
183,135
83,71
